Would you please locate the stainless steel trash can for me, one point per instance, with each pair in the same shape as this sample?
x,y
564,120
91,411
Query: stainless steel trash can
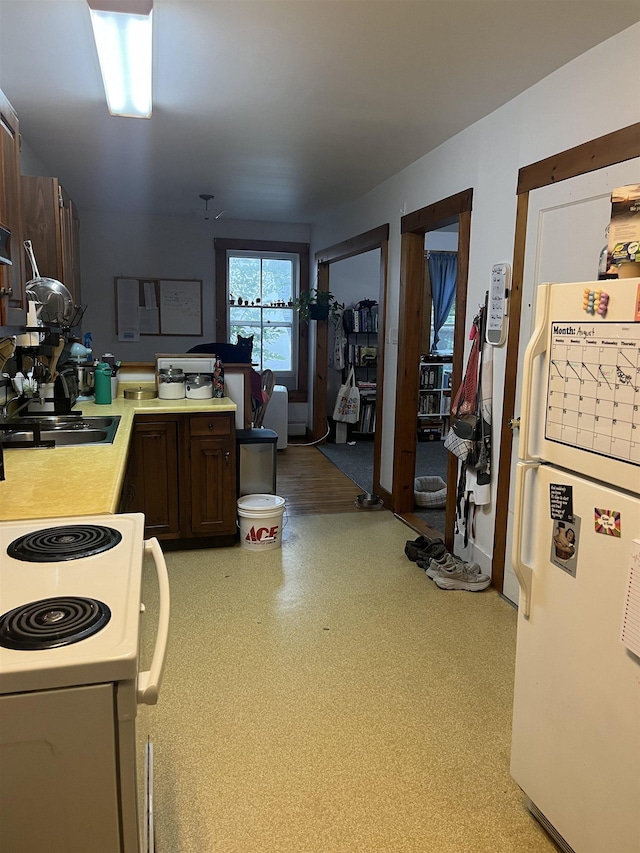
x,y
256,459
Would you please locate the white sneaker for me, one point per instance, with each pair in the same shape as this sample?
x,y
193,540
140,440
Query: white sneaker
x,y
461,576
450,561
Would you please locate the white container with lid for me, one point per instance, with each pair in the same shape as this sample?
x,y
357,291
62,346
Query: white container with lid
x,y
199,386
171,384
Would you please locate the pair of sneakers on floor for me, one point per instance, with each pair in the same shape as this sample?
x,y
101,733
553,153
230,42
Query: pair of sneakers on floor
x,y
448,571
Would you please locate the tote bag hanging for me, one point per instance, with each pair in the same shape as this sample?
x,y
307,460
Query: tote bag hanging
x,y
347,407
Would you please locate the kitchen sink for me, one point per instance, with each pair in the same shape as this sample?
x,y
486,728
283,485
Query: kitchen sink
x,y
58,431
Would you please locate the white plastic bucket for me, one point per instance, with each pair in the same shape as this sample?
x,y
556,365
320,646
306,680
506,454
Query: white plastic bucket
x,y
260,521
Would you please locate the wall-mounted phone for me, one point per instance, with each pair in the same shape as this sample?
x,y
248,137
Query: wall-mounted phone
x,y
498,304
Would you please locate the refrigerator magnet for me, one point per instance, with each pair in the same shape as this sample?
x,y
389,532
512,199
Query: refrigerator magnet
x,y
607,522
561,501
564,545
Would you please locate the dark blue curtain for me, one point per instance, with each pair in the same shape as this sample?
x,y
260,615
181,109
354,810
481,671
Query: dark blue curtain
x,y
443,268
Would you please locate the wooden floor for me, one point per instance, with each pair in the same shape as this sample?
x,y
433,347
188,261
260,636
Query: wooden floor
x,y
311,484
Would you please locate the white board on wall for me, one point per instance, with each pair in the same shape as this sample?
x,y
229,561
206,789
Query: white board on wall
x,y
180,307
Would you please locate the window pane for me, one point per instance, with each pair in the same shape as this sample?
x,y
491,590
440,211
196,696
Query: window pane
x,y
276,348
277,315
446,333
277,280
244,278
244,315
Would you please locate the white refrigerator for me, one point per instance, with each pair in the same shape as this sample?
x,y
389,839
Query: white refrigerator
x,y
576,553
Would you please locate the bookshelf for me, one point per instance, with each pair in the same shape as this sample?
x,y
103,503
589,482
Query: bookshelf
x,y
434,399
361,329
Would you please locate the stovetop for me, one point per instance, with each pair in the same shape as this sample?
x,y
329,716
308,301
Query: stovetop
x,y
70,592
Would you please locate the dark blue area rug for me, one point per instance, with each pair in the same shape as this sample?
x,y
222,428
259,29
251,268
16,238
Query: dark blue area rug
x,y
356,461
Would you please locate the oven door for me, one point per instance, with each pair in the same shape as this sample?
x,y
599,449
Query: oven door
x,y
154,624
153,648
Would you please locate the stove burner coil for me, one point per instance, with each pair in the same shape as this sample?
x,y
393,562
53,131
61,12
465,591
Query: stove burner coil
x,y
70,542
52,622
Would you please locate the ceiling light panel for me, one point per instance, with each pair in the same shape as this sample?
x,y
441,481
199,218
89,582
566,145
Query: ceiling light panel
x,y
124,44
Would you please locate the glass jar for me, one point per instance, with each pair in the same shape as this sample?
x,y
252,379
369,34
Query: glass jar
x,y
171,383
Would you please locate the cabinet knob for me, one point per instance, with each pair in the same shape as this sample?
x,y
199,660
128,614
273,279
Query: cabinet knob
x,y
227,456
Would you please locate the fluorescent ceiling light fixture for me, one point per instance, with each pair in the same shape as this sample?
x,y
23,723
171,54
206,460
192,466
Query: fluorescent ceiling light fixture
x,y
123,34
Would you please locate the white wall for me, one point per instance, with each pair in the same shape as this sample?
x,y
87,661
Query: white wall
x,y
595,94
32,165
156,247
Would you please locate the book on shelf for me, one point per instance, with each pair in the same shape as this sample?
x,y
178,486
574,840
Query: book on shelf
x,y
368,356
367,421
361,356
429,403
362,318
431,376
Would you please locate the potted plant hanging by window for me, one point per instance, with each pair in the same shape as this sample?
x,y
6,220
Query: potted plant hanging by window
x,y
318,305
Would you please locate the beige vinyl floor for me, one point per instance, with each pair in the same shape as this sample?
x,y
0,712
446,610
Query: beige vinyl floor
x,y
327,697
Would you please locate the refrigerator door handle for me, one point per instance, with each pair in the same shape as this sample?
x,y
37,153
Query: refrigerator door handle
x,y
536,346
523,572
149,681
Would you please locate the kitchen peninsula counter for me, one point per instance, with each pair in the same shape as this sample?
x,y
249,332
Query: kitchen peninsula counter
x,y
54,482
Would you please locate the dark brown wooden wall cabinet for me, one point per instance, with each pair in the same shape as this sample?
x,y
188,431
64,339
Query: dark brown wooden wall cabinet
x,y
12,310
50,220
182,475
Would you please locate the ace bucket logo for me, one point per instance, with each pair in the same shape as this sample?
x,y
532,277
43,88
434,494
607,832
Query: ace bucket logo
x,y
262,534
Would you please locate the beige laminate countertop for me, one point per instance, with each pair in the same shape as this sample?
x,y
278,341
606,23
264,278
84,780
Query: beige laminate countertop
x,y
51,482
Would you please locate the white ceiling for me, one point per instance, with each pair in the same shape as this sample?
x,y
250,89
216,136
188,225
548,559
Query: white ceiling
x,y
280,108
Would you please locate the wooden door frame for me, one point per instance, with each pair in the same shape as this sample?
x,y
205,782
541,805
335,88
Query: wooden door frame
x,y
376,238
413,226
596,154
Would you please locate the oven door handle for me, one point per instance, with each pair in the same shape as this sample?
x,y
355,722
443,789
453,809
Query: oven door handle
x,y
149,681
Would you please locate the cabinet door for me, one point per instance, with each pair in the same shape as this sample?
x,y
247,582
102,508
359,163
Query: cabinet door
x,y
51,222
70,244
212,475
11,276
151,482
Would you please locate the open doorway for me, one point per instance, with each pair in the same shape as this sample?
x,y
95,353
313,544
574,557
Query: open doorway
x,y
354,346
435,375
375,242
412,319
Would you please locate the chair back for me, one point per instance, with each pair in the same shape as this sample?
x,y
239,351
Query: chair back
x,y
267,381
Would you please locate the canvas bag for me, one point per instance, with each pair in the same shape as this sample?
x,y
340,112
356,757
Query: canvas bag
x,y
347,407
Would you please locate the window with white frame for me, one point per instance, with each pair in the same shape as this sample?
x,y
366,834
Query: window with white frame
x,y
262,287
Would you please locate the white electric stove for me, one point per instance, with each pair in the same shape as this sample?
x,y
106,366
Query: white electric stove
x,y
71,686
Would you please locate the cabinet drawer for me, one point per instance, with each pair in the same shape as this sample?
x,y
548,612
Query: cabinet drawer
x,y
210,424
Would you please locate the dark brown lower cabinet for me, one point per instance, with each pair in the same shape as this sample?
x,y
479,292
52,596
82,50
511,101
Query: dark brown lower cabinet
x,y
182,475
212,463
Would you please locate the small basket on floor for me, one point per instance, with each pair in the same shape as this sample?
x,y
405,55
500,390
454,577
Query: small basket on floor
x,y
430,491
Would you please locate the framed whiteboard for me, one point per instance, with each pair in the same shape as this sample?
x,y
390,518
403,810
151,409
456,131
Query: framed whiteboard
x,y
158,306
